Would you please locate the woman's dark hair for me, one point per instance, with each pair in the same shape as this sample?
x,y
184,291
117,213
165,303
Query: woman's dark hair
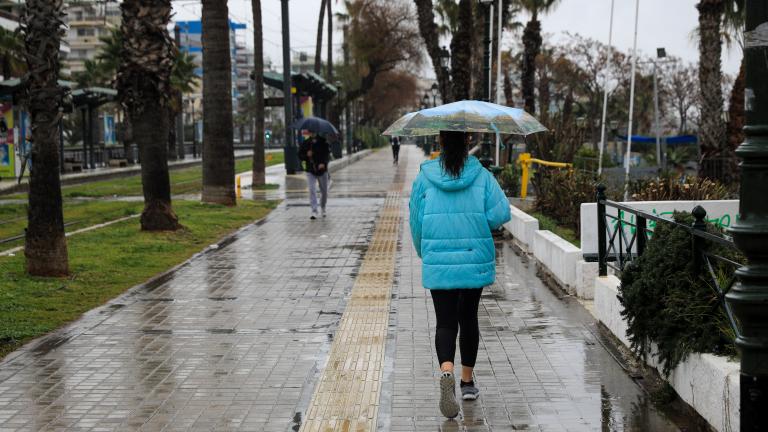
x,y
455,152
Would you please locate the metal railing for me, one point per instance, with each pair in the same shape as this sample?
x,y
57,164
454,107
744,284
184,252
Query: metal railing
x,y
621,241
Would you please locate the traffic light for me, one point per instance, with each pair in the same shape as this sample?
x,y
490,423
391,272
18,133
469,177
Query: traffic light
x,y
267,135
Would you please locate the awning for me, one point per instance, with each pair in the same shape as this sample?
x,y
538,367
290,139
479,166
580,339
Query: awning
x,y
670,140
306,83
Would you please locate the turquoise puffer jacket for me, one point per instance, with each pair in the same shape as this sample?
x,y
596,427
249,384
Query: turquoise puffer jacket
x,y
451,223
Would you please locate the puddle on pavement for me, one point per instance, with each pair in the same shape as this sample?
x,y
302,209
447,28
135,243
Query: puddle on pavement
x,y
621,403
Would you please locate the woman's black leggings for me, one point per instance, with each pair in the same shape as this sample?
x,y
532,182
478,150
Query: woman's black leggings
x,y
457,309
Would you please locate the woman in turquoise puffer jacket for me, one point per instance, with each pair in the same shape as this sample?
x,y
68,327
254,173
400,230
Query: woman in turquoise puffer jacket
x,y
455,204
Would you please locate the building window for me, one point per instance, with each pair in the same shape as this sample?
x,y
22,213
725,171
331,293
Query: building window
x,y
86,32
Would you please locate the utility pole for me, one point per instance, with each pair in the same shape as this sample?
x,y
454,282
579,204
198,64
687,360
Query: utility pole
x,y
291,159
749,296
605,94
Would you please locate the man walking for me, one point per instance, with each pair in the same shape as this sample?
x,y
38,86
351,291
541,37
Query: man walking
x,y
395,143
315,152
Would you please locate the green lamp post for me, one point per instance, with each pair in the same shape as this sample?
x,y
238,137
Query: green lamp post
x,y
749,296
485,159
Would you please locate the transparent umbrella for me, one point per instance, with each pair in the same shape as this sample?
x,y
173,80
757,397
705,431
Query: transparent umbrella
x,y
466,116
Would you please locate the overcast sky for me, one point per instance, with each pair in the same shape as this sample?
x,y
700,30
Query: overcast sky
x,y
662,23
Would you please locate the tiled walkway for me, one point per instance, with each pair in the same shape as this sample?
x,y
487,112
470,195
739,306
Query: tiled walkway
x,y
239,338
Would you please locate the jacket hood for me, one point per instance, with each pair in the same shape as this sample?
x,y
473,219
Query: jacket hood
x,y
435,174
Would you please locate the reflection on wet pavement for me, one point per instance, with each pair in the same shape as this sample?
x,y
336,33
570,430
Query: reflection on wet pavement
x,y
237,338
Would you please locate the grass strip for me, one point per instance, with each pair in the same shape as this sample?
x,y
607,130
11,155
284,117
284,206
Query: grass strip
x,y
183,181
104,263
547,223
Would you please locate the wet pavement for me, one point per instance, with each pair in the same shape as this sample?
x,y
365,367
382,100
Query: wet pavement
x,y
242,337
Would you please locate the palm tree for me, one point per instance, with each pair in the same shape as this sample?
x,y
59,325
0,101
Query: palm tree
x,y
712,129
12,62
461,50
259,164
430,33
329,66
734,18
319,43
531,47
218,152
144,89
45,244
183,80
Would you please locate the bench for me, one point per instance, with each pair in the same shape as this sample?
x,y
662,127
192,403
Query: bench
x,y
71,165
118,163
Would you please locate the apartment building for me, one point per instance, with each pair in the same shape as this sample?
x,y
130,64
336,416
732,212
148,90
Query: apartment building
x,y
87,23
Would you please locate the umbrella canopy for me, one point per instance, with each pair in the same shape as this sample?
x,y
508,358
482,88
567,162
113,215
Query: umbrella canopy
x,y
466,116
315,124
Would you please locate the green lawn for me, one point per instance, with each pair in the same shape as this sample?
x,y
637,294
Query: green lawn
x,y
77,215
183,181
547,223
106,262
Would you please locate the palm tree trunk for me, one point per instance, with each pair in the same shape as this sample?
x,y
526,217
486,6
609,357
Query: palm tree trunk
x,y
428,31
736,121
461,47
144,89
319,43
259,164
152,138
712,138
531,47
218,153
45,244
329,65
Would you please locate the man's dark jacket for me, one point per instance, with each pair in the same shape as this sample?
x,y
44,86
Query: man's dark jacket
x,y
321,154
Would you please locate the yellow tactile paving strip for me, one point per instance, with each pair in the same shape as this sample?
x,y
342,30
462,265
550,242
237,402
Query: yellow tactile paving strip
x,y
347,395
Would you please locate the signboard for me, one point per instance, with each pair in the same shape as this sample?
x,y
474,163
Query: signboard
x,y
7,149
722,213
109,130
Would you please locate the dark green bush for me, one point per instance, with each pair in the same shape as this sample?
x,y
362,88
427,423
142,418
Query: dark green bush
x,y
560,192
667,303
509,180
671,187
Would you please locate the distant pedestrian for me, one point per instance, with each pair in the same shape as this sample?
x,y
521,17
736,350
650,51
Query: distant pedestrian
x,y
316,154
455,205
395,143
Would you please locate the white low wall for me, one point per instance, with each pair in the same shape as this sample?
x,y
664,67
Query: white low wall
x,y
558,256
708,383
522,226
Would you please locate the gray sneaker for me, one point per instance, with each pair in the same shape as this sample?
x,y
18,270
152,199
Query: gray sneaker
x,y
469,392
449,407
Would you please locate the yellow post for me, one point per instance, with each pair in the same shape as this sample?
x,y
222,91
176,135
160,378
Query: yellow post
x,y
237,186
525,163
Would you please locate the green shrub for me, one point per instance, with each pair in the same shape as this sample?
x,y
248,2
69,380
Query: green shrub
x,y
670,187
371,137
586,158
560,193
509,180
667,303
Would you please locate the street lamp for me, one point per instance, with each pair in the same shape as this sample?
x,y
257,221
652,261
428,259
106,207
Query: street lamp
x,y
445,64
433,89
425,100
487,4
749,296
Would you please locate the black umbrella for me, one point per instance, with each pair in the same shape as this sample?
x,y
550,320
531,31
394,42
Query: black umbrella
x,y
315,124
